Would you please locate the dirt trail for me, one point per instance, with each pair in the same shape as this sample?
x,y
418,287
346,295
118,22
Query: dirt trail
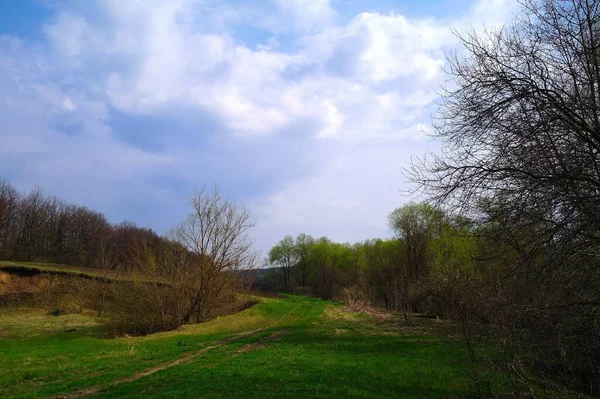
x,y
182,360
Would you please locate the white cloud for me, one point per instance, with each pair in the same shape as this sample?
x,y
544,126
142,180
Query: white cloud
x,y
373,48
336,78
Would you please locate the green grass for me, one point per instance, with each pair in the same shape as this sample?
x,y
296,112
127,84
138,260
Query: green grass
x,y
304,348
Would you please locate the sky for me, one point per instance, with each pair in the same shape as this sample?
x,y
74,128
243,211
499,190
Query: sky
x,y
304,111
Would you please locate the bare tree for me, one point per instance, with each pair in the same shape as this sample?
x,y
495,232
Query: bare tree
x,y
521,134
8,217
153,297
101,291
216,234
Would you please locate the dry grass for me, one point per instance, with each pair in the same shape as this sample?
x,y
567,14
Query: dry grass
x,y
21,323
52,268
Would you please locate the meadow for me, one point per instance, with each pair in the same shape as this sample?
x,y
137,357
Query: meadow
x,y
288,347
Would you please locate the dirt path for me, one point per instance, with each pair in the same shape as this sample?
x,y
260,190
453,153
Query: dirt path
x,y
182,360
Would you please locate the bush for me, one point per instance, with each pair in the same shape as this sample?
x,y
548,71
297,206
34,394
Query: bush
x,y
144,308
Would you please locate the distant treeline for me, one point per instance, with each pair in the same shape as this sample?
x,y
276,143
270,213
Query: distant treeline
x,y
39,228
395,273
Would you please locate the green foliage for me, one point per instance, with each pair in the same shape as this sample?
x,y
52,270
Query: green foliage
x,y
391,273
454,248
284,253
415,219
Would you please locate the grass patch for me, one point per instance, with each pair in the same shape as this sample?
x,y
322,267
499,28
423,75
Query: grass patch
x,y
27,323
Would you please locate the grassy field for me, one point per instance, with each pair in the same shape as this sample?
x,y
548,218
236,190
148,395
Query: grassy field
x,y
280,348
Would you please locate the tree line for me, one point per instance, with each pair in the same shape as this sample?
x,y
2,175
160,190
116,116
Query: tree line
x,y
394,273
39,228
184,276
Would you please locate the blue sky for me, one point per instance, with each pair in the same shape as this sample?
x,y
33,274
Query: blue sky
x,y
305,111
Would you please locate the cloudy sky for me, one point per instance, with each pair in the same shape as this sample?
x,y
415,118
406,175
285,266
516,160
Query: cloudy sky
x,y
303,110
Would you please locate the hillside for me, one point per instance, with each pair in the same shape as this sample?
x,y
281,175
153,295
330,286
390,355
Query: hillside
x,y
56,269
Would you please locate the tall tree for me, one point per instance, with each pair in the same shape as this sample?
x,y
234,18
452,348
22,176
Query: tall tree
x,y
8,217
415,225
304,244
216,233
284,255
520,129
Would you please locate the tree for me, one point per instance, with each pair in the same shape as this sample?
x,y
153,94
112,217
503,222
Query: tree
x,y
520,129
304,243
216,234
284,255
31,223
415,225
387,274
107,263
524,119
325,259
8,217
156,296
